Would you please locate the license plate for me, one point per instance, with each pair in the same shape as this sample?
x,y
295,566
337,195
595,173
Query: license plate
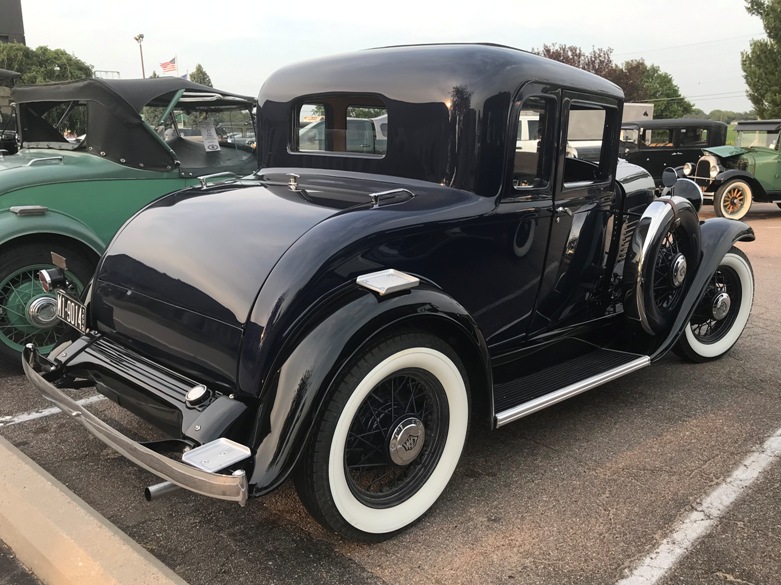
x,y
72,312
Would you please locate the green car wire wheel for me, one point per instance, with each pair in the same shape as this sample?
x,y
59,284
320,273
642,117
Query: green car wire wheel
x,y
28,314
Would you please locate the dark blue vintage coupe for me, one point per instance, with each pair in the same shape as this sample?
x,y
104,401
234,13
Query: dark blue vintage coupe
x,y
401,266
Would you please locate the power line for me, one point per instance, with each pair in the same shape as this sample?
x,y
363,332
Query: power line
x,y
762,35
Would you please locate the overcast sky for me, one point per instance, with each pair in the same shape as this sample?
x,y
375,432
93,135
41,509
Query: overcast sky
x,y
698,42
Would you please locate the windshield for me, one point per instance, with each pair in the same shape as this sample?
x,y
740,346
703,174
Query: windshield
x,y
757,138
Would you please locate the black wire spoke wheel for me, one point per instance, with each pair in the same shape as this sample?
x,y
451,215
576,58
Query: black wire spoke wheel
x,y
389,438
667,289
707,324
723,312
396,438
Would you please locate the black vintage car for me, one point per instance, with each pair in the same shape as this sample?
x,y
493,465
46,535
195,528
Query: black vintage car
x,y
344,317
658,144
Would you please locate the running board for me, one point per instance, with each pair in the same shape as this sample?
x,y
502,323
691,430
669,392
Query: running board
x,y
631,363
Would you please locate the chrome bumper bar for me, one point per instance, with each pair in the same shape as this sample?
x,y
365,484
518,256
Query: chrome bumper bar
x,y
233,488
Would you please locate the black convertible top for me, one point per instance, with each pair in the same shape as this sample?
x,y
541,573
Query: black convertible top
x,y
121,93
116,129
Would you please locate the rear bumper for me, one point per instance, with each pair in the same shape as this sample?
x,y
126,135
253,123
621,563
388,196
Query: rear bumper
x,y
233,488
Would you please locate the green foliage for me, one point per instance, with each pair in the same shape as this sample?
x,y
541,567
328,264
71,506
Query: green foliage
x,y
641,82
364,112
200,76
659,88
762,62
599,61
42,65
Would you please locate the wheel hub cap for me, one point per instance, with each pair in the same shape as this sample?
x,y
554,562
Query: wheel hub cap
x,y
721,305
678,274
42,311
407,441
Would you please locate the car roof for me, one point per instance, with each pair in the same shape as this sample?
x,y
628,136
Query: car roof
x,y
769,125
673,123
7,75
429,73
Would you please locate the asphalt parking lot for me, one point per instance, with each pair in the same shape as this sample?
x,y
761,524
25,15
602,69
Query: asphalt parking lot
x,y
582,492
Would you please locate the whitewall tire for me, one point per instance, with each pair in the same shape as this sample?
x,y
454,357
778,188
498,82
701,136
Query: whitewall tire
x,y
390,439
723,312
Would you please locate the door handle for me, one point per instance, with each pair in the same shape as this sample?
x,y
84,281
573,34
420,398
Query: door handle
x,y
566,210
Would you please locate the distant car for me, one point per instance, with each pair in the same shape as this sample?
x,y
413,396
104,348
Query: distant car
x,y
658,144
90,158
736,176
342,316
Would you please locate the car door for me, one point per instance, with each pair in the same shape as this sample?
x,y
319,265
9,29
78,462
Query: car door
x,y
582,207
523,217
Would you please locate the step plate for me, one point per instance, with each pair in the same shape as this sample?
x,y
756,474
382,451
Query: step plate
x,y
528,394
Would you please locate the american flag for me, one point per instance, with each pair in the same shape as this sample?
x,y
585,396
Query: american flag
x,y
169,66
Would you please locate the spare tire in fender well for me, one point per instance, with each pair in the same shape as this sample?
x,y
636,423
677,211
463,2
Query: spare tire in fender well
x,y
670,227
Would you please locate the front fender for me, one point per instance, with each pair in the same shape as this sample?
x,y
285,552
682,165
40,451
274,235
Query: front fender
x,y
301,383
717,235
728,175
15,225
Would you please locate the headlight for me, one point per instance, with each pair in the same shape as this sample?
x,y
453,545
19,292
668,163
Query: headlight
x,y
687,169
714,170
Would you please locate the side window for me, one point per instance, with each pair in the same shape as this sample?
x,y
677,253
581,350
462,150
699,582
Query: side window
x,y
658,138
340,125
694,137
534,143
588,136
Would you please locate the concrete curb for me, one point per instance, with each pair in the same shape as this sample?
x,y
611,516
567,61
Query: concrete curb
x,y
60,538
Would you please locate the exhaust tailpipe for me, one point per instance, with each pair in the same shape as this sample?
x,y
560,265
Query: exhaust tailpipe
x,y
157,491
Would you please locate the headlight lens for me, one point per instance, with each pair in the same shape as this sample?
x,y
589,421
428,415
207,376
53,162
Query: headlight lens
x,y
714,170
687,169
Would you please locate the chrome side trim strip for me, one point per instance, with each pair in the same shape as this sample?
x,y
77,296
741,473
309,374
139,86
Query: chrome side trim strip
x,y
527,408
233,488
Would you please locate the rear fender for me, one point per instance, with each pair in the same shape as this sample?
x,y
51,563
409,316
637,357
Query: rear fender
x,y
49,222
302,381
718,235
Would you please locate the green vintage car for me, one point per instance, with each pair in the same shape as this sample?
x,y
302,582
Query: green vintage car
x,y
92,153
735,176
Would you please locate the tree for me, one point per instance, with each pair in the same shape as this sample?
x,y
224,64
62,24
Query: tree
x,y
762,62
659,88
200,76
641,82
42,65
599,61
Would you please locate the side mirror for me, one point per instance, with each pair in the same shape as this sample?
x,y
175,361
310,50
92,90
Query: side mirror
x,y
687,189
669,176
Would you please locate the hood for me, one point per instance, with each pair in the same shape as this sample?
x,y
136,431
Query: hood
x,y
726,151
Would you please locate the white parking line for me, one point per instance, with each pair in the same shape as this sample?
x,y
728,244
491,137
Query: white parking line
x,y
7,421
707,513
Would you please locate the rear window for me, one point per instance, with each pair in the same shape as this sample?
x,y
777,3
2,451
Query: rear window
x,y
341,125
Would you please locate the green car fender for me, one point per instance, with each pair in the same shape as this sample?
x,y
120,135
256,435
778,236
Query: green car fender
x,y
36,222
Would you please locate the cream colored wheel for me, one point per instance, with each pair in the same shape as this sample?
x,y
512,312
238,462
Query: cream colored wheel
x,y
733,200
